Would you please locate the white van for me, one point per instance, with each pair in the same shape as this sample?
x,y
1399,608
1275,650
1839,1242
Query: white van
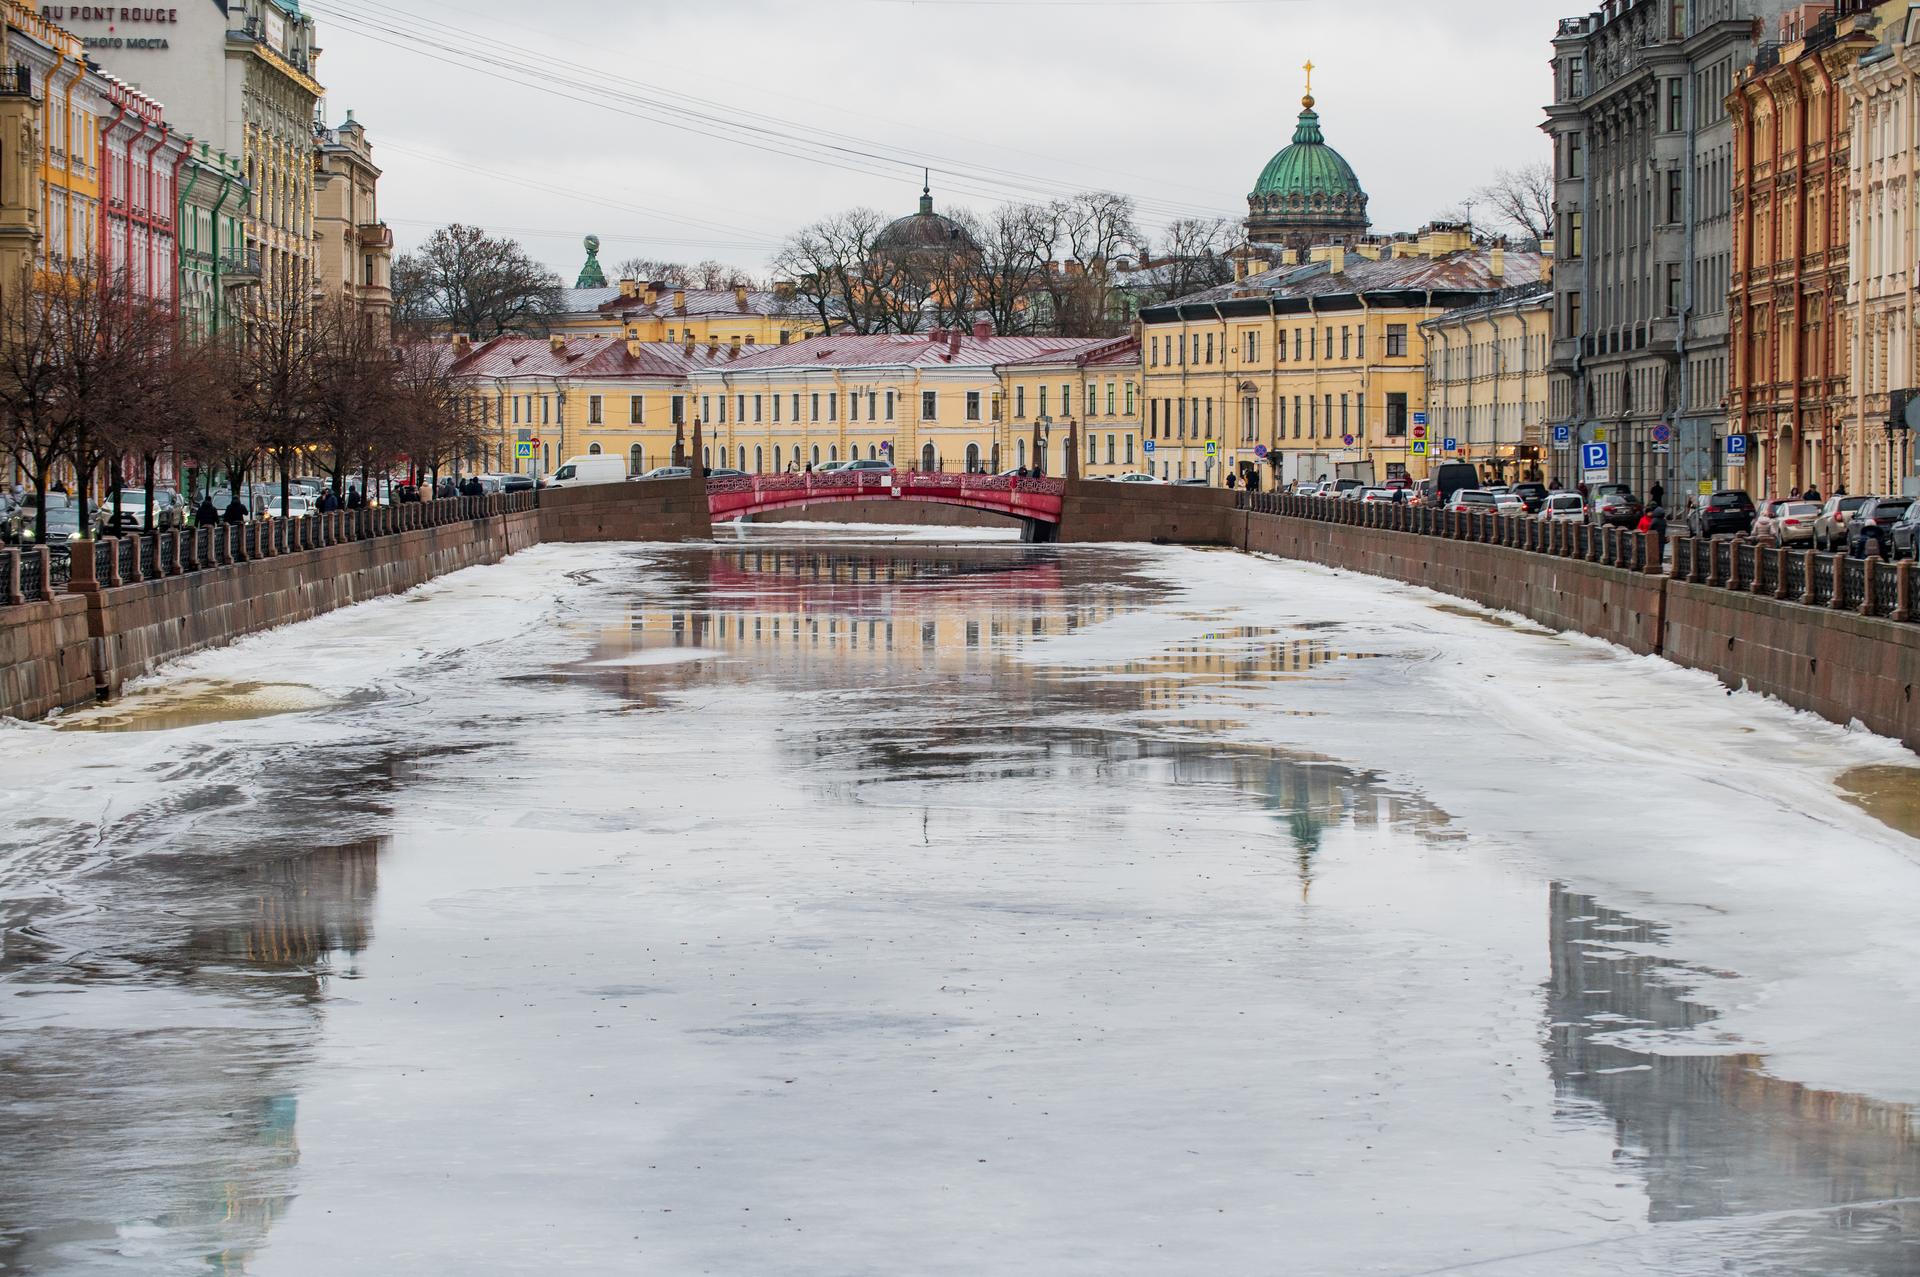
x,y
576,472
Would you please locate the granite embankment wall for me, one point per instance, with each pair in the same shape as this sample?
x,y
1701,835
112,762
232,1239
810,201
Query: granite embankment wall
x,y
130,607
915,514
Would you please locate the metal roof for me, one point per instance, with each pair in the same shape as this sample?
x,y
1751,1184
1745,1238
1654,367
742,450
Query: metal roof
x,y
923,350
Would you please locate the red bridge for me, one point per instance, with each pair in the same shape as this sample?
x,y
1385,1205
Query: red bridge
x,y
1032,500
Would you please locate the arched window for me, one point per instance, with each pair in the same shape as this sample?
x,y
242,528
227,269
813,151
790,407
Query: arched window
x,y
928,461
993,466
636,460
593,450
873,453
1019,452
833,452
973,458
777,466
706,458
816,454
759,458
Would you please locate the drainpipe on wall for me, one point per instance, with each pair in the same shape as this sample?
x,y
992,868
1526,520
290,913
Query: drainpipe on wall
x,y
106,170
180,195
145,124
219,298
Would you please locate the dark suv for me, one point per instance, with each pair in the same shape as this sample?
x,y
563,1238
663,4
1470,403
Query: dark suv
x,y
1533,493
1618,508
1870,530
1729,510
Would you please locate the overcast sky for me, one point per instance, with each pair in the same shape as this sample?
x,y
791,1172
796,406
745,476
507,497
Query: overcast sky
x,y
548,121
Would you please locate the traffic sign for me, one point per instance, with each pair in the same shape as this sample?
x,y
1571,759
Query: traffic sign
x,y
1419,432
1450,444
886,446
1663,433
1146,445
1419,418
1260,450
1600,434
1736,447
1562,436
522,451
1593,456
1419,447
1213,448
1706,487
535,441
1660,448
1347,439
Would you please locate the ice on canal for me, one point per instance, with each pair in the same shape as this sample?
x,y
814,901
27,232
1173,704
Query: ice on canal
x,y
821,902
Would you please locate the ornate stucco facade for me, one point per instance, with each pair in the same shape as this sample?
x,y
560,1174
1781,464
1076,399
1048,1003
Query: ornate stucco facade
x,y
353,248
1487,383
1788,339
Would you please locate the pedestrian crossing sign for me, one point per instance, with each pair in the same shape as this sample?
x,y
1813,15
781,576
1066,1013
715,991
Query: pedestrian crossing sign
x,y
1419,447
1213,448
522,451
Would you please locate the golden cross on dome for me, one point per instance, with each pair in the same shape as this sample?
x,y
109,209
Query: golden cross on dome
x,y
1309,71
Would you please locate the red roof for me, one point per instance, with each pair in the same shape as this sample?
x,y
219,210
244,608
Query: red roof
x,y
603,357
921,350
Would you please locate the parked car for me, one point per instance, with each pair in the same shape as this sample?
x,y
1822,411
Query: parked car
x,y
1348,489
1451,477
1308,489
1830,528
1470,500
1193,482
1870,530
726,472
516,483
662,472
1533,493
1377,496
1564,507
579,472
1906,533
1136,476
870,467
1786,522
1509,502
1618,508
1728,510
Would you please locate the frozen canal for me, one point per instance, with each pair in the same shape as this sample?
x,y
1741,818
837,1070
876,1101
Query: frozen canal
x,y
823,906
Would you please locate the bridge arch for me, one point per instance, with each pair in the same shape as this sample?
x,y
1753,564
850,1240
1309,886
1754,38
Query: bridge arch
x,y
1032,501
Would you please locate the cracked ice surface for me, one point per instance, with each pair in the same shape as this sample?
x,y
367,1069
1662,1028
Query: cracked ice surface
x,y
816,905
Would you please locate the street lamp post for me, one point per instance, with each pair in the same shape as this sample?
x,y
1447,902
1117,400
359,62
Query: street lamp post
x,y
1902,407
1042,442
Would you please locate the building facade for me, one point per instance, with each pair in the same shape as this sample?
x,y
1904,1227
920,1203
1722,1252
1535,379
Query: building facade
x,y
140,156
353,248
1788,342
1643,161
1094,387
214,263
1298,370
1307,194
66,137
1487,383
1883,106
240,76
651,312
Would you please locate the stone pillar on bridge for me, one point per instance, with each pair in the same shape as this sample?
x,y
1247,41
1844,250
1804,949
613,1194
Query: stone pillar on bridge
x,y
1039,446
680,444
1072,471
697,459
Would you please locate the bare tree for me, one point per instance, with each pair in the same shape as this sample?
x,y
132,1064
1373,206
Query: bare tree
x,y
673,274
473,283
1520,200
1195,254
1014,247
828,261
350,389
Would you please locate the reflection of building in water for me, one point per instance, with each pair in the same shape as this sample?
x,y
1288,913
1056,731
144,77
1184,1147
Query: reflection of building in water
x,y
240,944
963,609
1714,1134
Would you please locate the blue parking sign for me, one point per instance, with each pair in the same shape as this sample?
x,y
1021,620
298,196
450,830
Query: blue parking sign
x,y
1450,444
1562,436
1593,456
1736,445
1146,445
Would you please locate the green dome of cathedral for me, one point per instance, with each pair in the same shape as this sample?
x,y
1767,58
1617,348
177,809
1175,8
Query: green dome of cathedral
x,y
1307,192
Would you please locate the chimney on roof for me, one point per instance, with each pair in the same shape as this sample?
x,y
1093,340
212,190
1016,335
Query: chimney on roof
x,y
937,336
629,288
1239,268
1337,260
733,349
1497,262
713,345
953,343
982,329
783,290
557,342
462,345
740,296
633,347
680,301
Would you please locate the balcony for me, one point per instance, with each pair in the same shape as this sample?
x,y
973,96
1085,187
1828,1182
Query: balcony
x,y
375,235
237,270
16,81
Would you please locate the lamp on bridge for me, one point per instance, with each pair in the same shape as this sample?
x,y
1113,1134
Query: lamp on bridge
x,y
1042,436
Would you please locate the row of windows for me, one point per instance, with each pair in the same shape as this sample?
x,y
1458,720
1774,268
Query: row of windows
x,y
1310,416
878,406
1172,349
1113,400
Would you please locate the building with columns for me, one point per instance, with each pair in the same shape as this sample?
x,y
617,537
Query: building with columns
x,y
1788,339
1643,161
1883,178
241,76
353,247
215,268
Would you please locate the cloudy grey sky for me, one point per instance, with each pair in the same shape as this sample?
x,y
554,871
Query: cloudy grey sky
x,y
713,129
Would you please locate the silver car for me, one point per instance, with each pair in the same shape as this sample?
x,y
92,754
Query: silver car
x,y
1830,527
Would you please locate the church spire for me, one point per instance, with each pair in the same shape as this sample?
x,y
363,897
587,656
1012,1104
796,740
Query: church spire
x,y
926,190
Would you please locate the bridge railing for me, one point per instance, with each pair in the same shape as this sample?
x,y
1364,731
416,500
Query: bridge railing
x,y
882,482
1870,587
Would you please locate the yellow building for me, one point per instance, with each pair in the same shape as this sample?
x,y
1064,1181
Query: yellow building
x,y
1097,388
1315,363
654,312
353,248
1487,386
933,401
580,396
48,68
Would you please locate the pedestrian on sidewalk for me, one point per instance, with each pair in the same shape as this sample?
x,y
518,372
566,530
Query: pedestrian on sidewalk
x,y
204,515
236,510
355,499
1657,494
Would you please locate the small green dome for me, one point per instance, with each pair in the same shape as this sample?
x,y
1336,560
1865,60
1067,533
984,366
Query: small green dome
x,y
1307,186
